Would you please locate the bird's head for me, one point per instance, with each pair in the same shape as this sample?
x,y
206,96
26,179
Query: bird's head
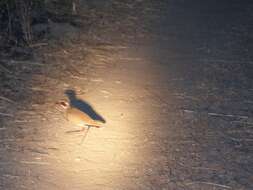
x,y
63,104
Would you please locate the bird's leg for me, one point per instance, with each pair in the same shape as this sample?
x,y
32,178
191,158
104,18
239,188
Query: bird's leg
x,y
85,134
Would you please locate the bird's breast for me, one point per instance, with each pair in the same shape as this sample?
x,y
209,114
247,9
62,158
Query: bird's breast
x,y
77,117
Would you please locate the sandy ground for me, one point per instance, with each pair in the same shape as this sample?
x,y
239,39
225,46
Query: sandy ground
x,y
174,86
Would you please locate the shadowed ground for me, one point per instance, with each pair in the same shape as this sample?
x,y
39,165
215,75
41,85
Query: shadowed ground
x,y
172,79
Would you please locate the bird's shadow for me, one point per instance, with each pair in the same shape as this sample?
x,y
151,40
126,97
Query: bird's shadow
x,y
83,106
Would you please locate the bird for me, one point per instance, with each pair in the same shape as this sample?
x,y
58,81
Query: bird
x,y
79,118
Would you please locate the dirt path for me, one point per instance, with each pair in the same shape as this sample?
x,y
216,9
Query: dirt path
x,y
177,101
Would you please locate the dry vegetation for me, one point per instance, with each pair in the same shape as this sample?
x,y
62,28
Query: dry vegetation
x,y
38,37
200,122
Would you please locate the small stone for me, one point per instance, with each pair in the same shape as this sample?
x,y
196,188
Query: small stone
x,y
77,159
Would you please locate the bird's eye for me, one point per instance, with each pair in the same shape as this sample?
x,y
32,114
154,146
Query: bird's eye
x,y
63,103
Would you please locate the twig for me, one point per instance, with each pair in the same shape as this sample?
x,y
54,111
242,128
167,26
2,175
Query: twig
x,y
131,59
77,77
241,140
21,121
228,115
13,75
74,131
209,183
6,99
5,69
65,52
7,140
27,62
38,89
205,168
101,56
33,162
10,176
189,111
37,151
6,114
97,80
241,122
38,44
217,114
105,92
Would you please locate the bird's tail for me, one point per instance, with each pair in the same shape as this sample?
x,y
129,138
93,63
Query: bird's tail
x,y
97,124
